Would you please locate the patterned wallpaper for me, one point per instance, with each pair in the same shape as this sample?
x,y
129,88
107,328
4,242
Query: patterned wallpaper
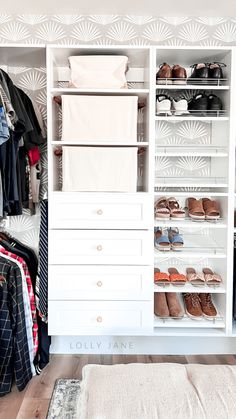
x,y
115,29
98,29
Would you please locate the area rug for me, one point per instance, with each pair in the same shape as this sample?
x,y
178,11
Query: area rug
x,y
64,399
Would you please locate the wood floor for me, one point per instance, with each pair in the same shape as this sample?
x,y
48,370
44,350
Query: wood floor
x,y
33,402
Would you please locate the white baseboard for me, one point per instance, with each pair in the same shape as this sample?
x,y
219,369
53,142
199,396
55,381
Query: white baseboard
x,y
142,345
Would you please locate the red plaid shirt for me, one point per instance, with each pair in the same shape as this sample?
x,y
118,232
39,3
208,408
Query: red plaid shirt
x,y
31,294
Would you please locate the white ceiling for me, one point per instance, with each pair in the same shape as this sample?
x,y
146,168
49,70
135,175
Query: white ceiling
x,y
212,8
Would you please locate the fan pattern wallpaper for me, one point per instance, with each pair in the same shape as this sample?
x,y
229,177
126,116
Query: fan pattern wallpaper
x,y
108,30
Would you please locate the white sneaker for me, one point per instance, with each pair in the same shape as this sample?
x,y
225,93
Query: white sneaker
x,y
163,105
180,107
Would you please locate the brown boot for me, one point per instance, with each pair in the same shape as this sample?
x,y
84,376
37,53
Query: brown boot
x,y
174,306
160,305
164,73
192,305
179,74
208,307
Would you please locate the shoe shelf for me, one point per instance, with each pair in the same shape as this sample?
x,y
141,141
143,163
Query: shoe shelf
x,y
198,181
186,321
188,287
190,150
173,118
191,192
188,222
188,332
197,84
221,115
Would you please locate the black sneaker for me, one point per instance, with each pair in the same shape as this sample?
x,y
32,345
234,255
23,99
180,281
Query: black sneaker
x,y
215,71
214,105
200,74
198,105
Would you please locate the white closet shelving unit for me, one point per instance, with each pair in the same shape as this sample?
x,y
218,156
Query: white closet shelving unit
x,y
110,292
194,156
107,233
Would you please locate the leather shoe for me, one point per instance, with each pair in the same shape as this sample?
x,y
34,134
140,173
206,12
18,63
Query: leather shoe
x,y
164,73
179,74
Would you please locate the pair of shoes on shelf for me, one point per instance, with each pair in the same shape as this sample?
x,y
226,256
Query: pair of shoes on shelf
x,y
169,106
168,75
206,277
166,304
170,240
199,305
203,209
202,104
166,208
207,71
174,276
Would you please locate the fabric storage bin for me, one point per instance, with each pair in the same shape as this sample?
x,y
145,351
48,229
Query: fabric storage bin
x,y
99,118
99,169
98,71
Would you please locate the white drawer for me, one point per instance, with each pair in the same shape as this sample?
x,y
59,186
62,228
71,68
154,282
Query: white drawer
x,y
93,317
100,282
86,247
78,210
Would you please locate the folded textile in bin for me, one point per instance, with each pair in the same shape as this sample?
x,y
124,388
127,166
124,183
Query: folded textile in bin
x,y
98,71
99,118
99,169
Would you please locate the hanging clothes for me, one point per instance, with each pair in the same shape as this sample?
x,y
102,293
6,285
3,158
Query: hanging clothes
x,y
14,350
20,138
43,262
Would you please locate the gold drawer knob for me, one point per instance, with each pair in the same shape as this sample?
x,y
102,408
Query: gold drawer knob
x,y
99,212
99,283
99,319
99,247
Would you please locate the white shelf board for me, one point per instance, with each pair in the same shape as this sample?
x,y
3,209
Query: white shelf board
x,y
101,143
184,254
186,321
195,243
68,90
181,151
190,288
201,194
191,224
193,332
192,118
178,182
190,87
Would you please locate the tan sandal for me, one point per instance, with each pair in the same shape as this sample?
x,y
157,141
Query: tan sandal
x,y
176,212
211,209
211,277
194,278
195,209
161,210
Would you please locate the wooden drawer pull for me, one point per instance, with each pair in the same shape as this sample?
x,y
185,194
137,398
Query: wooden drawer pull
x,y
99,283
99,212
99,319
99,247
